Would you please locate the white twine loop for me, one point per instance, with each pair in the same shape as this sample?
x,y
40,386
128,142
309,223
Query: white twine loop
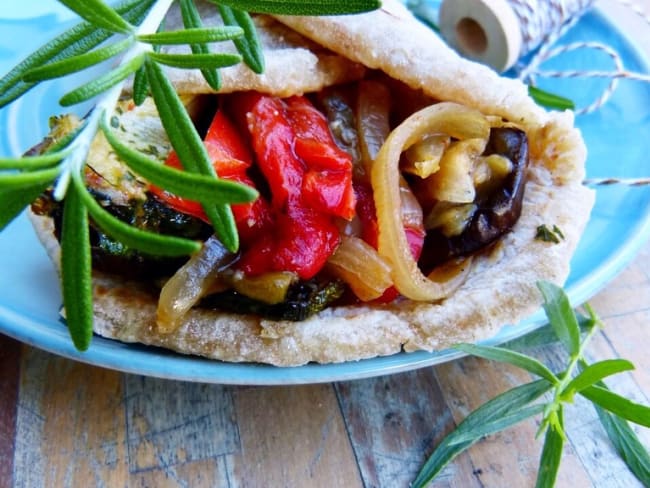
x,y
559,16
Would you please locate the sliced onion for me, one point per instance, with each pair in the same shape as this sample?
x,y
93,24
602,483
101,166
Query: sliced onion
x,y
190,283
447,118
373,123
361,267
412,215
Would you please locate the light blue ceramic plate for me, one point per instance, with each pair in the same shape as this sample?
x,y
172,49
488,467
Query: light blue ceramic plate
x,y
617,137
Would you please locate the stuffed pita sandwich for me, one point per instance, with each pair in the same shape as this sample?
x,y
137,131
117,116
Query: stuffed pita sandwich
x,y
402,193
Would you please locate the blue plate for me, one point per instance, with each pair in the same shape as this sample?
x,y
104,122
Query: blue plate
x,y
30,299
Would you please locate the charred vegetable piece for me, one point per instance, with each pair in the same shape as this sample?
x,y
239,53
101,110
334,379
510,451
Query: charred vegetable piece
x,y
304,298
114,257
496,212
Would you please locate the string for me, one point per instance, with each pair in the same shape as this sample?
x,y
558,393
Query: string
x,y
542,26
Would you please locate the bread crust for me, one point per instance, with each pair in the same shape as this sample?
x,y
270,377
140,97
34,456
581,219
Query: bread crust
x,y
501,287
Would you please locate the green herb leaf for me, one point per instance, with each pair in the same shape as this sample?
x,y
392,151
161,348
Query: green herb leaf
x,y
621,406
497,425
99,14
132,237
80,62
79,39
190,149
624,439
192,20
140,86
549,235
593,373
196,61
29,178
627,444
492,410
299,7
248,46
102,83
561,316
33,162
550,100
528,363
76,270
549,463
193,186
14,200
193,35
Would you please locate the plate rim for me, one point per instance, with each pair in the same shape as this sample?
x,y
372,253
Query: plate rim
x,y
110,352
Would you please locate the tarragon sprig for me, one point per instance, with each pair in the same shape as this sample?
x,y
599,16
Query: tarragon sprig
x,y
521,402
128,37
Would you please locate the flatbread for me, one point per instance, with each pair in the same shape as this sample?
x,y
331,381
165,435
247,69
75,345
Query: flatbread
x,y
294,64
501,288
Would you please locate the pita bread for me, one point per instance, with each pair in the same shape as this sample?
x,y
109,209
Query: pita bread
x,y
294,64
499,290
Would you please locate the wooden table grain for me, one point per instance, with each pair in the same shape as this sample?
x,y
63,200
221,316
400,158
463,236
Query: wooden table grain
x,y
64,423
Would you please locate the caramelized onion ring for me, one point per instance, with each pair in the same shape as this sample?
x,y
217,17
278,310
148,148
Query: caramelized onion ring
x,y
190,283
448,118
361,267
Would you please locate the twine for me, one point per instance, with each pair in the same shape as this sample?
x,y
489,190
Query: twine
x,y
543,24
616,181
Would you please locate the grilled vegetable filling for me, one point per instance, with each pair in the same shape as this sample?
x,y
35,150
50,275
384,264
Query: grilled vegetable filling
x,y
360,201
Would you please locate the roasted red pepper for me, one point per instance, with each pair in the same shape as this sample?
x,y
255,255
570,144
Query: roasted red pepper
x,y
231,159
309,178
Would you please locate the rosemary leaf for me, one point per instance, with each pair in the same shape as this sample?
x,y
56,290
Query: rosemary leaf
x,y
193,36
147,242
561,316
102,83
28,178
196,61
99,14
593,373
73,64
616,404
492,410
193,186
300,7
549,463
189,148
192,20
140,86
249,45
503,355
79,39
76,269
33,162
13,200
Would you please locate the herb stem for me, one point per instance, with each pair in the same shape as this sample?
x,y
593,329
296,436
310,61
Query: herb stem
x,y
566,378
81,145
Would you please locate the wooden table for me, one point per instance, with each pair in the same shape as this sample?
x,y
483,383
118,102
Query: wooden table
x,y
64,423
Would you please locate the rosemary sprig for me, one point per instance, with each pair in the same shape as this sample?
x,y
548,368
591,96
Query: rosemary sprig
x,y
520,403
129,35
